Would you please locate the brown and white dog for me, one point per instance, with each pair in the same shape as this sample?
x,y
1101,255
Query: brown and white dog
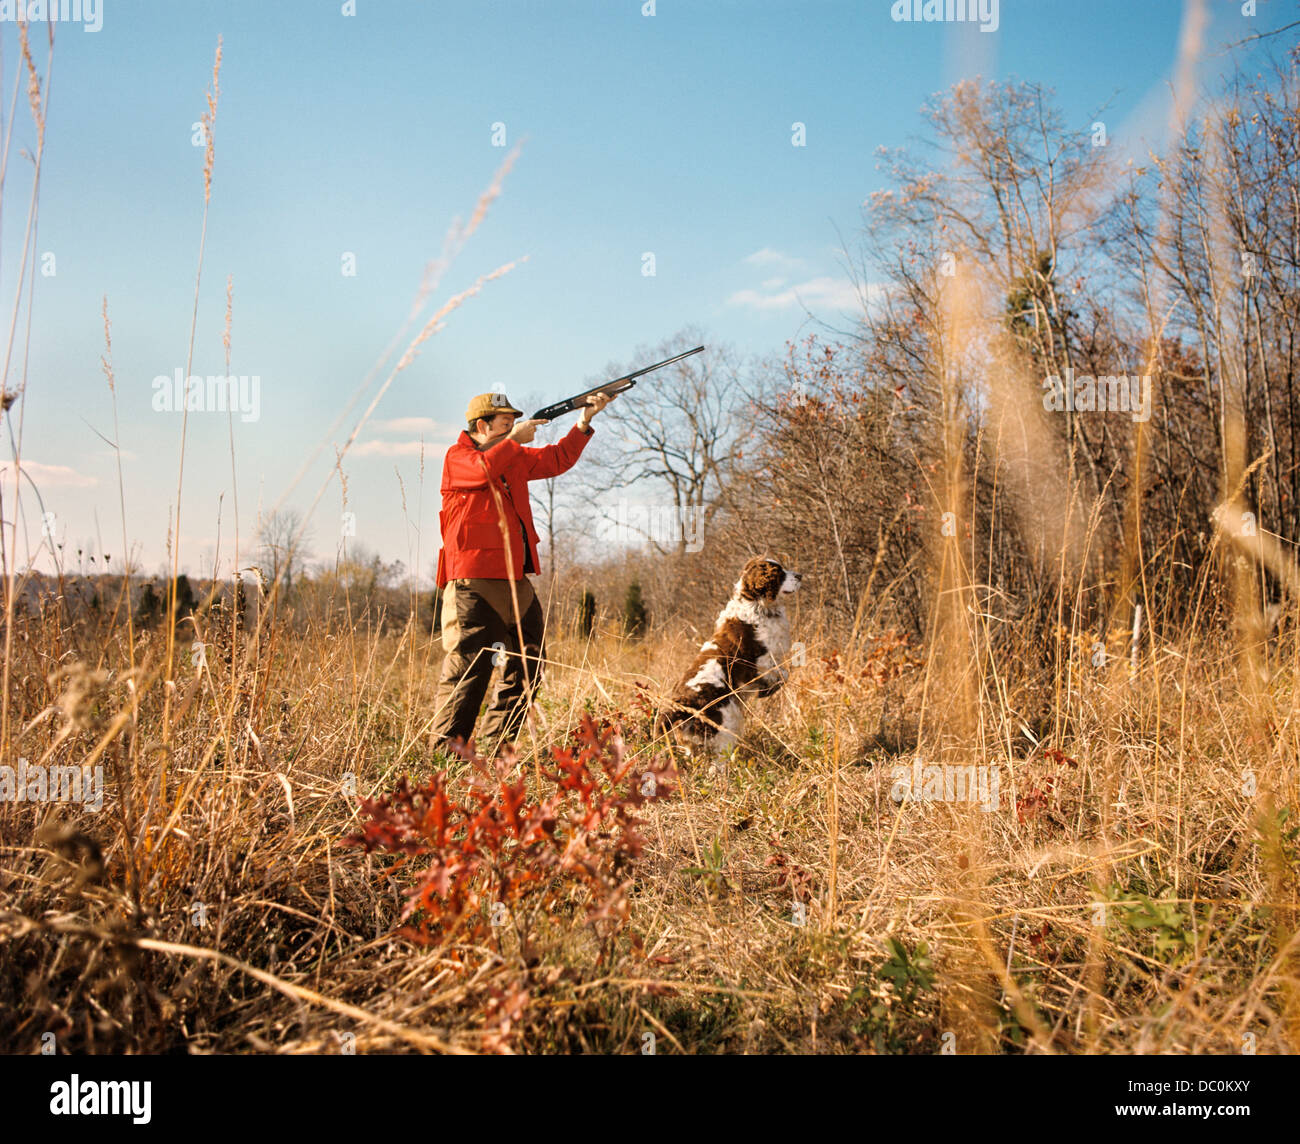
x,y
745,656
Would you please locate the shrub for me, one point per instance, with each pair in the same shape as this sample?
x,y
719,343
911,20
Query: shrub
x,y
487,854
635,618
587,614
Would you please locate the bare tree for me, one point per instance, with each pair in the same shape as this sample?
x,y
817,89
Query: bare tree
x,y
678,436
281,548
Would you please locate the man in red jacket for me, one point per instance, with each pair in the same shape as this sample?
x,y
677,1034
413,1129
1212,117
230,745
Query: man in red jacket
x,y
489,548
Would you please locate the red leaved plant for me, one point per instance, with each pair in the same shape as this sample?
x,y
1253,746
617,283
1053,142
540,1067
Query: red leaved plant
x,y
485,852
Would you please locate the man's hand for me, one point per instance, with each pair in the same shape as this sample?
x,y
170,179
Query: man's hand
x,y
525,431
595,403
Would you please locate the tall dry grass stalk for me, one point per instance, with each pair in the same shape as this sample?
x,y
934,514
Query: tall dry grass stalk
x,y
37,103
209,123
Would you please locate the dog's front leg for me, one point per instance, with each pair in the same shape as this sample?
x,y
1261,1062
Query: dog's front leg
x,y
771,677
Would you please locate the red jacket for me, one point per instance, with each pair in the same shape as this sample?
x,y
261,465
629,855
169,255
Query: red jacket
x,y
472,544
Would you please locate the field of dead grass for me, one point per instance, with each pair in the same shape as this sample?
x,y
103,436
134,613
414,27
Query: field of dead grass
x,y
1133,890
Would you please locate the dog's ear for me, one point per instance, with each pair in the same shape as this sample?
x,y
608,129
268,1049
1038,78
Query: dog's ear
x,y
761,578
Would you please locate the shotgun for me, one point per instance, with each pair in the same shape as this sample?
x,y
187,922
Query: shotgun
x,y
618,385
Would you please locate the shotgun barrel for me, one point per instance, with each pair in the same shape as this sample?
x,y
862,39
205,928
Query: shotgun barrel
x,y
618,385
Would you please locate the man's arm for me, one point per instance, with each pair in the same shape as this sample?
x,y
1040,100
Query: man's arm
x,y
552,460
464,469
474,468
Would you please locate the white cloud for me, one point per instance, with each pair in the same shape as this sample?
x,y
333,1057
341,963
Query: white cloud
x,y
816,293
769,257
55,476
411,425
436,435
394,448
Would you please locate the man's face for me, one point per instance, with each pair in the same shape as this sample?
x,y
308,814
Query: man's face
x,y
495,431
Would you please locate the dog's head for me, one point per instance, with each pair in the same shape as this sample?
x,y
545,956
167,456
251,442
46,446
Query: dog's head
x,y
765,580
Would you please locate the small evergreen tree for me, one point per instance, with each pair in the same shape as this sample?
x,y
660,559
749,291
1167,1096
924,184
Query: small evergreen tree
x,y
183,597
149,610
635,617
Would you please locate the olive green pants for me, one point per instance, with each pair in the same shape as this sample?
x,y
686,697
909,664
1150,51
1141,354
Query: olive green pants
x,y
479,634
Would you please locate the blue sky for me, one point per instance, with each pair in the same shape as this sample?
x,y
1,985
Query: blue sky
x,y
369,133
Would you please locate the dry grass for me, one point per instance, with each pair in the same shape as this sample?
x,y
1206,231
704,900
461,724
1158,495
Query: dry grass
x,y
1139,901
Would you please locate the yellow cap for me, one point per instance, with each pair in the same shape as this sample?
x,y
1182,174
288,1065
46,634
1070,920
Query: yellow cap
x,y
488,405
